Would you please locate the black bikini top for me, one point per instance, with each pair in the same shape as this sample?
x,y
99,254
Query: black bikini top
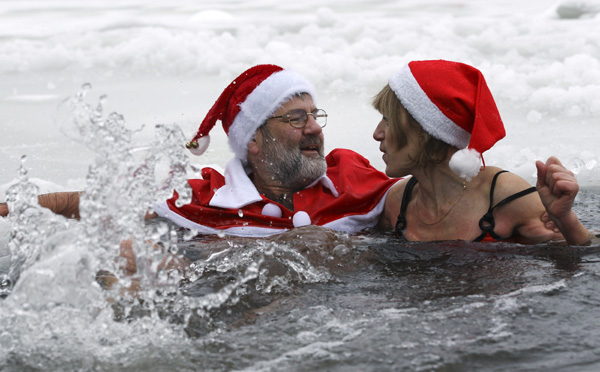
x,y
486,223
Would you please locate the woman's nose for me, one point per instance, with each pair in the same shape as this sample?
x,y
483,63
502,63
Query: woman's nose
x,y
379,133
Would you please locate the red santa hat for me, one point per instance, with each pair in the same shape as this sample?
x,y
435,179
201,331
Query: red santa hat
x,y
453,103
247,103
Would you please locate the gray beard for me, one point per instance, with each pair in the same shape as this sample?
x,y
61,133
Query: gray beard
x,y
288,166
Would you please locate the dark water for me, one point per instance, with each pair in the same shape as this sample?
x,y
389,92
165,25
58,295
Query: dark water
x,y
312,300
433,307
416,306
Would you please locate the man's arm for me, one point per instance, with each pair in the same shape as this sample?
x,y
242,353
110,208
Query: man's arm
x,y
3,209
63,203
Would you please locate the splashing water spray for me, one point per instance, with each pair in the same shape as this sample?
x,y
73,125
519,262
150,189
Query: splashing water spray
x,y
55,260
120,189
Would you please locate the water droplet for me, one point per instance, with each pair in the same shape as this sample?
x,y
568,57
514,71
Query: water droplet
x,y
85,89
6,340
5,285
189,234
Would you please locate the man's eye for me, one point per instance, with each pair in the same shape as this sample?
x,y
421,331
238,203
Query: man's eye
x,y
295,118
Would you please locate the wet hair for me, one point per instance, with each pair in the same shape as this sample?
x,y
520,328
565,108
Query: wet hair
x,y
400,121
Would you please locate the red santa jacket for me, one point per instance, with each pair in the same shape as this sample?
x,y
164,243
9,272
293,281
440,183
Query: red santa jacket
x,y
350,198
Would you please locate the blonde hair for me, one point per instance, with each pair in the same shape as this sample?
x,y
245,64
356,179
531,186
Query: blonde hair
x,y
432,151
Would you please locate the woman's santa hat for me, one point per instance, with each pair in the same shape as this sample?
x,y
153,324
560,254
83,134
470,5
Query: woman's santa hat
x,y
247,103
453,103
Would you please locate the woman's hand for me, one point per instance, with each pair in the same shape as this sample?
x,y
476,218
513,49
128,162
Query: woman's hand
x,y
557,188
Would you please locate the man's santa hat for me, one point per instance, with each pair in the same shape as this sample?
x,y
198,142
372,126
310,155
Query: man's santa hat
x,y
247,103
453,103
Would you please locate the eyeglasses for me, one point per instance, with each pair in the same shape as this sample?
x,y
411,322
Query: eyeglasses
x,y
299,118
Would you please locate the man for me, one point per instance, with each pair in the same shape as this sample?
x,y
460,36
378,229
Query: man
x,y
279,178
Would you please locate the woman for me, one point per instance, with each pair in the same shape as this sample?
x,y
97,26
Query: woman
x,y
438,118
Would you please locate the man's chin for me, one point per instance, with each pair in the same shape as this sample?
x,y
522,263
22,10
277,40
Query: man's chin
x,y
315,161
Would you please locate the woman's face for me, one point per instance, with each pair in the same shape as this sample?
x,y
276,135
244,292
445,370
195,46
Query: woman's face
x,y
398,159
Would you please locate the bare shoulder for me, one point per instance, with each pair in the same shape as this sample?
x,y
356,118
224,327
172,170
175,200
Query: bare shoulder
x,y
522,216
507,183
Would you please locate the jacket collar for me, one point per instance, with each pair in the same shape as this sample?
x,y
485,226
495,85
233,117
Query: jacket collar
x,y
239,190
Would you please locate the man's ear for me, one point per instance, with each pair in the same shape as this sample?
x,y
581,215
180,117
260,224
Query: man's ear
x,y
253,148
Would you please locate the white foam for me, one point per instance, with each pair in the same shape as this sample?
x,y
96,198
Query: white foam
x,y
509,300
4,250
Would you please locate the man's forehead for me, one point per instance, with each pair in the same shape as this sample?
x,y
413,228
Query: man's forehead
x,y
303,100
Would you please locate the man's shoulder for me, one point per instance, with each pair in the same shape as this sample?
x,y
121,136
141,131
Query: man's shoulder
x,y
346,157
339,152
348,167
209,176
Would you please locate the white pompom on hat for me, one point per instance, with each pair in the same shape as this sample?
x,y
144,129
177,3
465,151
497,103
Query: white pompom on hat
x,y
453,103
247,103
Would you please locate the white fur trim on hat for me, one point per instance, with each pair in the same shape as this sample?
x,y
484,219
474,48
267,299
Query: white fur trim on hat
x,y
264,100
433,121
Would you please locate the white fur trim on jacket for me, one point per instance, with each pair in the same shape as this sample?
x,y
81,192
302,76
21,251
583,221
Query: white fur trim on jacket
x,y
349,224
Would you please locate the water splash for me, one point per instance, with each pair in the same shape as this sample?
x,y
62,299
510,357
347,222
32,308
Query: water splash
x,y
274,265
31,226
120,189
55,260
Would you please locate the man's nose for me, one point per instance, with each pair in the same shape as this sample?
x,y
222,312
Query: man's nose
x,y
311,126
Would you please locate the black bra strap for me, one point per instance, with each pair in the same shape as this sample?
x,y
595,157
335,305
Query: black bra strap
x,y
401,221
487,222
493,188
515,196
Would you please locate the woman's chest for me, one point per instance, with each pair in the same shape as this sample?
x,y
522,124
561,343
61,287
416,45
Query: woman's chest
x,y
468,224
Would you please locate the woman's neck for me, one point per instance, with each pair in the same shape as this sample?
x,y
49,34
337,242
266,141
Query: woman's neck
x,y
436,194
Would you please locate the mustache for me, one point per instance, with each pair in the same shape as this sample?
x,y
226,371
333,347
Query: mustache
x,y
311,141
